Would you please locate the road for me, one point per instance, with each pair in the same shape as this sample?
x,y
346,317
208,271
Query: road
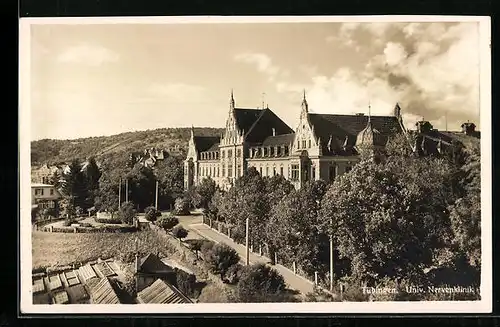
x,y
295,282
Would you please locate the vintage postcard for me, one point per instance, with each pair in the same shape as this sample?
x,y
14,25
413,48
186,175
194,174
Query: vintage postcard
x,y
255,165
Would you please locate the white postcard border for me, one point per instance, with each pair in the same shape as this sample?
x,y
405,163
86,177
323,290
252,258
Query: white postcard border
x,y
482,306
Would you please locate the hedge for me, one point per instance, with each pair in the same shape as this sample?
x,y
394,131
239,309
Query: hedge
x,y
108,220
100,229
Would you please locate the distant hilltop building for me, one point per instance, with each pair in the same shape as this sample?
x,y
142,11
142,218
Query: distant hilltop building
x,y
45,173
322,146
148,157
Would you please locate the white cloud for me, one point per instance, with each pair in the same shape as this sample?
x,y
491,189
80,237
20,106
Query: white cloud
x,y
178,92
394,53
93,55
432,69
262,61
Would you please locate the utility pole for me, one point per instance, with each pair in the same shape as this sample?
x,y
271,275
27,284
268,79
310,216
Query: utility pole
x,y
246,242
120,194
126,190
156,196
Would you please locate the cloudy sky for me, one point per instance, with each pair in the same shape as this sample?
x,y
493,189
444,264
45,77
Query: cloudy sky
x,y
91,80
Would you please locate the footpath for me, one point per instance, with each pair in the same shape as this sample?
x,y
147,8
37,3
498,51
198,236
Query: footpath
x,y
293,281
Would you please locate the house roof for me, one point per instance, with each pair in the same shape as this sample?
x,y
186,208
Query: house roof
x,y
214,147
102,292
246,117
203,143
77,293
152,264
60,297
86,272
41,298
342,128
162,293
277,140
264,125
103,269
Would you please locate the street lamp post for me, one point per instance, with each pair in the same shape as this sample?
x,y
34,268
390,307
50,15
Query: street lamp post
x,y
156,196
120,194
126,190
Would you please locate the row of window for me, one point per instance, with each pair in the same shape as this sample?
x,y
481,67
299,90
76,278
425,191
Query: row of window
x,y
47,204
230,153
270,151
216,172
306,144
40,191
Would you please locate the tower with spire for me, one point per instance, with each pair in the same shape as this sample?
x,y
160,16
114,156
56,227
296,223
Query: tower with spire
x,y
369,139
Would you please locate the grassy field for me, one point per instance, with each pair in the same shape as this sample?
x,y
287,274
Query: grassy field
x,y
49,249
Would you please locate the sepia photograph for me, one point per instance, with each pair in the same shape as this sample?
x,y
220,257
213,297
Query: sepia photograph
x,y
272,164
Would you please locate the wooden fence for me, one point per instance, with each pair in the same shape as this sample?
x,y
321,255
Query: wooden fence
x,y
263,251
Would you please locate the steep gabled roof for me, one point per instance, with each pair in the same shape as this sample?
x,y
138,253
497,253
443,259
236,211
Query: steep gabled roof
x,y
102,292
203,143
161,292
152,264
347,127
246,117
264,125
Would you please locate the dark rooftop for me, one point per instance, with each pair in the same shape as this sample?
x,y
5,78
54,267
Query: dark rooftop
x,y
162,293
277,140
152,264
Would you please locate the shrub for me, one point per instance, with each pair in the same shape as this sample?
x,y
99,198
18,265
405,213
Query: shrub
x,y
180,232
151,213
260,283
186,283
181,206
127,213
205,247
233,274
167,222
319,295
195,245
220,258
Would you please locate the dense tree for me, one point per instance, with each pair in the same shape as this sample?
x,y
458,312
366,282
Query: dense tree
x,y
75,185
181,206
151,214
252,197
186,283
170,175
294,222
382,217
142,184
465,213
127,213
180,232
167,222
203,193
260,283
92,174
220,257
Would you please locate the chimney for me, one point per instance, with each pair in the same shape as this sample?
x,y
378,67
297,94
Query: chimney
x,y
274,131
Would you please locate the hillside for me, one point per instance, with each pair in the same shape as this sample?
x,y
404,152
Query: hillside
x,y
173,140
